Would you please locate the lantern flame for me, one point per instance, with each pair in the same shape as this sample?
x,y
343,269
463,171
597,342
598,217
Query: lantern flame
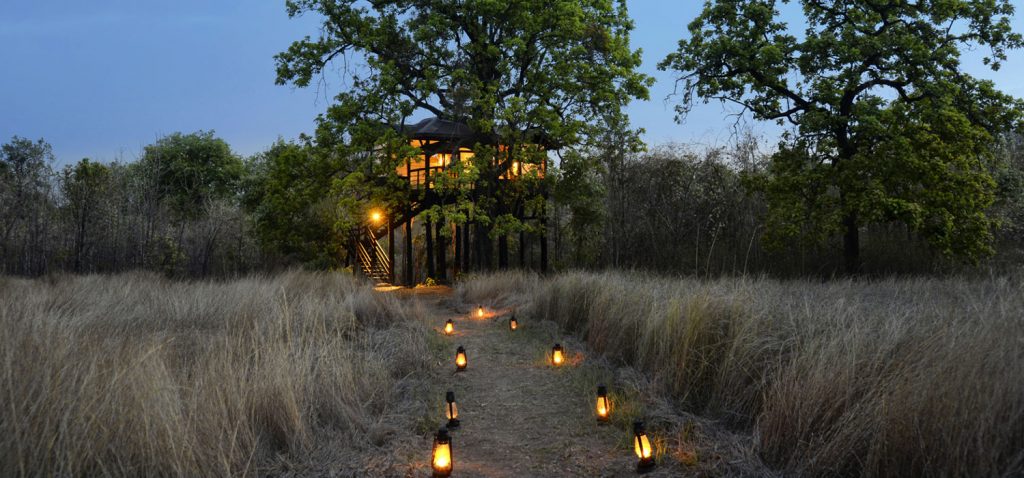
x,y
480,311
513,324
449,327
441,460
557,355
642,448
376,216
603,407
460,359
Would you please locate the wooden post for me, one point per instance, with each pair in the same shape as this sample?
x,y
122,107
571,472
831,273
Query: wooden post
x,y
429,230
544,237
391,248
408,249
442,245
457,263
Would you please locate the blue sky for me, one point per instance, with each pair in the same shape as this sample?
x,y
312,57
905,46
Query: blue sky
x,y
102,79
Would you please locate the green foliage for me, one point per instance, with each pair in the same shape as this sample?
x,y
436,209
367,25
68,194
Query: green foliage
x,y
885,125
192,170
285,189
85,186
508,69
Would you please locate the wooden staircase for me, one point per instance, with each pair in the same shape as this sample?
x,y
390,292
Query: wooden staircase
x,y
373,259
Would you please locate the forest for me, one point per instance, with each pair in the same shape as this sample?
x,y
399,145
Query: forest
x,y
190,207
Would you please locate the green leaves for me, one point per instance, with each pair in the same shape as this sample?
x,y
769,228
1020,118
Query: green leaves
x,y
506,68
886,127
192,169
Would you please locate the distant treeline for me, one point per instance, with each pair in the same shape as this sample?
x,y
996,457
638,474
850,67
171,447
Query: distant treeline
x,y
189,207
703,211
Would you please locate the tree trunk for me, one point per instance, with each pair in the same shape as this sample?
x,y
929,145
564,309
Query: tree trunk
x,y
851,245
428,229
503,252
544,237
391,248
442,246
408,250
457,262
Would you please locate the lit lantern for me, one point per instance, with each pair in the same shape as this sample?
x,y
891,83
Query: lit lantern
x,y
451,412
376,216
513,324
557,355
603,406
480,311
441,461
449,327
460,359
642,447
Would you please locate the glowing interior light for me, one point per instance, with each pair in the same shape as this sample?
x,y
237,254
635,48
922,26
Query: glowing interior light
x,y
441,461
603,407
557,355
460,358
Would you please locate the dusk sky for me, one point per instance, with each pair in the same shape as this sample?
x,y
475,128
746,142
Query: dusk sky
x,y
103,79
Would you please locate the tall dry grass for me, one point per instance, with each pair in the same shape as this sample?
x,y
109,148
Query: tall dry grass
x,y
895,377
137,375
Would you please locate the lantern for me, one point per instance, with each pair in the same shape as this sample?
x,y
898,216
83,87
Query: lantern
x,y
603,407
480,311
513,324
642,447
460,359
449,327
441,459
451,412
557,355
376,216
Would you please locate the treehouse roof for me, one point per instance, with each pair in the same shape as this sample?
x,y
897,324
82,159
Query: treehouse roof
x,y
437,129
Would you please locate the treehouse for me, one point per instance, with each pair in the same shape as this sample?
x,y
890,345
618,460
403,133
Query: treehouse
x,y
441,145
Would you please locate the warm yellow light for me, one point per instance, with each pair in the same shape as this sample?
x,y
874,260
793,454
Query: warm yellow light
x,y
449,327
513,324
557,355
642,447
441,461
603,406
442,457
460,358
480,311
376,216
451,411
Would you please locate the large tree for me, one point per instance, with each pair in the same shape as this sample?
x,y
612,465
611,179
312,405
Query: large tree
x,y
509,69
884,123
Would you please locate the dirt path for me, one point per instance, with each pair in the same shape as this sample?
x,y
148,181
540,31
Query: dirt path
x,y
520,416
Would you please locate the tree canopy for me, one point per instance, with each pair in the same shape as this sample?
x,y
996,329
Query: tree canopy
x,y
884,124
511,70
191,170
